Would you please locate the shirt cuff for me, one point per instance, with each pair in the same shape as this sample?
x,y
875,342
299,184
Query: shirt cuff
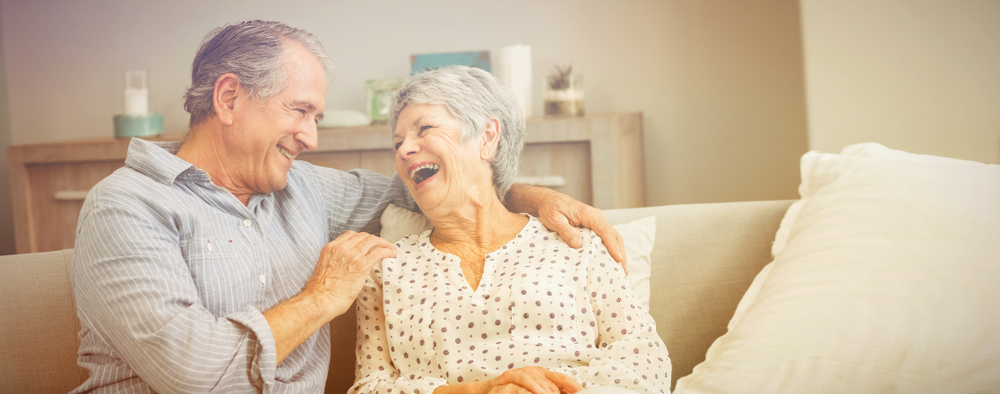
x,y
260,346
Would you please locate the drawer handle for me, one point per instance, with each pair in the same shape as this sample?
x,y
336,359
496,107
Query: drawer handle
x,y
544,181
71,195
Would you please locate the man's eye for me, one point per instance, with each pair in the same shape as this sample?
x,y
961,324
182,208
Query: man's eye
x,y
396,145
425,128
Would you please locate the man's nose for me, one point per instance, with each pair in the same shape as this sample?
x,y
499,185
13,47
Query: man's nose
x,y
309,137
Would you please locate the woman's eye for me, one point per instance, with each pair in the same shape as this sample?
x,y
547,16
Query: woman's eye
x,y
423,129
396,145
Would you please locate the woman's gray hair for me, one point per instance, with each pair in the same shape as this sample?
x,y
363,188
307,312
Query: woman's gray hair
x,y
474,97
254,51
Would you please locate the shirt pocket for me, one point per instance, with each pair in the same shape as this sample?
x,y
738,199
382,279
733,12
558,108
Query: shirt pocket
x,y
543,313
226,280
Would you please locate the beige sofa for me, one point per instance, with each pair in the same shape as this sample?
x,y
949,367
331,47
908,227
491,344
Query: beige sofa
x,y
704,259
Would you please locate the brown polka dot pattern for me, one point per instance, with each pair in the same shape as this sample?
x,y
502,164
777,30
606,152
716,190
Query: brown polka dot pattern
x,y
539,303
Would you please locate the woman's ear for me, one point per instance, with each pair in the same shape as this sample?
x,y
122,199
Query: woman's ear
x,y
224,97
489,139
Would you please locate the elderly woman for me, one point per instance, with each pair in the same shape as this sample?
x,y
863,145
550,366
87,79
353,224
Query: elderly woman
x,y
490,300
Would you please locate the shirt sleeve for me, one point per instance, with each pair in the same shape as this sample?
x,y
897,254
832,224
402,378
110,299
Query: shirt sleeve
x,y
631,354
375,372
134,290
356,199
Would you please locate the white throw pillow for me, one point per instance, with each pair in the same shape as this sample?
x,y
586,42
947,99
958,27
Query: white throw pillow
x,y
398,222
886,279
638,235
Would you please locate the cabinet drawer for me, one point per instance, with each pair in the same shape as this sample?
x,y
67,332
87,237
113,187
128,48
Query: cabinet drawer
x,y
56,192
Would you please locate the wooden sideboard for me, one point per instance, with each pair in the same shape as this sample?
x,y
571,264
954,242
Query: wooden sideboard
x,y
596,159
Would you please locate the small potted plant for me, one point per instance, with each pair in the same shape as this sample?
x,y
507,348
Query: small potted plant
x,y
564,93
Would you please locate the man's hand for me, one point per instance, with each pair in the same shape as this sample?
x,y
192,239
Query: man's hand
x,y
527,380
340,273
344,265
562,214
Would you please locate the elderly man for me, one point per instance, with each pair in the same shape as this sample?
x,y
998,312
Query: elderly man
x,y
213,264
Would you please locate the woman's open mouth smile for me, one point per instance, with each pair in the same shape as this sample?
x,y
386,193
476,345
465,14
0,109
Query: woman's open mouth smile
x,y
423,172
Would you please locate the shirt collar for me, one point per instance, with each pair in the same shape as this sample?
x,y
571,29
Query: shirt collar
x,y
157,160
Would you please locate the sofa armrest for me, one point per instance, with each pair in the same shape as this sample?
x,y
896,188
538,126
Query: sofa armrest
x,y
38,324
703,260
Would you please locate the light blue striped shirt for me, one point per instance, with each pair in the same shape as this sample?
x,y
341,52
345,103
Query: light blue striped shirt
x,y
172,273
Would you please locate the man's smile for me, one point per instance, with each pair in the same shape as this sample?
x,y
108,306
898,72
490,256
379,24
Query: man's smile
x,y
285,152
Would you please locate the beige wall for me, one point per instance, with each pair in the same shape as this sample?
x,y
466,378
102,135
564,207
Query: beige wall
x,y
720,82
917,75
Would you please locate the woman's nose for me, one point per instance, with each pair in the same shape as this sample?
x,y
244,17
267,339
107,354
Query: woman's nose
x,y
407,148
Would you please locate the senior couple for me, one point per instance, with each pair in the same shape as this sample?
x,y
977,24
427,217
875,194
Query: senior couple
x,y
215,264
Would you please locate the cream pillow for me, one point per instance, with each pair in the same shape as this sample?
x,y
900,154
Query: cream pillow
x,y
638,235
808,164
886,279
398,222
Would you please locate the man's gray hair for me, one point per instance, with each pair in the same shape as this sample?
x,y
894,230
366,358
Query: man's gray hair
x,y
254,51
474,97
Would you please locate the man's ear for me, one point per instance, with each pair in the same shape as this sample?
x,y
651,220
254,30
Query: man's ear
x,y
489,139
224,97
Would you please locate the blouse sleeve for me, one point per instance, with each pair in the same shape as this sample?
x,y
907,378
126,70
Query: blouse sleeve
x,y
631,355
375,372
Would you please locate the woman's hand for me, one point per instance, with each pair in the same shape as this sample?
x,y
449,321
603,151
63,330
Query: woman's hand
x,y
527,380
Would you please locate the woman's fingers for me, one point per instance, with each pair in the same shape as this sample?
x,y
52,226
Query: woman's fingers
x,y
537,380
565,383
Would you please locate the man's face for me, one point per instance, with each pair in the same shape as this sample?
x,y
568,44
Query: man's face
x,y
266,137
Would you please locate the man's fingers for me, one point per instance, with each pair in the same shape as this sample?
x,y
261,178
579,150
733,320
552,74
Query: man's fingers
x,y
561,225
371,250
379,252
613,241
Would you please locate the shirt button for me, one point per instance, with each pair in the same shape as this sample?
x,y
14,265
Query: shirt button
x,y
262,279
247,223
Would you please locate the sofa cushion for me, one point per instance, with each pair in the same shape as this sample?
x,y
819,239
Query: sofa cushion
x,y
885,278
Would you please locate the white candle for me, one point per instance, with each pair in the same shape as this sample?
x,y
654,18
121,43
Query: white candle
x,y
136,101
514,71
136,94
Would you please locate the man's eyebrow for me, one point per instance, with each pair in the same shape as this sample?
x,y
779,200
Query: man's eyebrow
x,y
303,104
308,106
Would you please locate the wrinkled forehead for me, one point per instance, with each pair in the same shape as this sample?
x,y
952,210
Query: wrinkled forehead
x,y
414,114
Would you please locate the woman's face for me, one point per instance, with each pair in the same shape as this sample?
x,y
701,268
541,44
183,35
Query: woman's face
x,y
441,170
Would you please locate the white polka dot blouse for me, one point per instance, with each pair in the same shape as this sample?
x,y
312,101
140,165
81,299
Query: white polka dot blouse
x,y
539,303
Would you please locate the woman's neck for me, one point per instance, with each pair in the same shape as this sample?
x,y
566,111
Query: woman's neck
x,y
473,231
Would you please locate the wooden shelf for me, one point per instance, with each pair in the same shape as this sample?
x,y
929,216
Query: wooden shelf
x,y
596,159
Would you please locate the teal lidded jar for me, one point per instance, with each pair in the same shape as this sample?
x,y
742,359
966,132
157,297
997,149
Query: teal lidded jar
x,y
127,126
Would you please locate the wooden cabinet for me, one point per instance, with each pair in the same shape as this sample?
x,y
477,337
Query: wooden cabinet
x,y
596,159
